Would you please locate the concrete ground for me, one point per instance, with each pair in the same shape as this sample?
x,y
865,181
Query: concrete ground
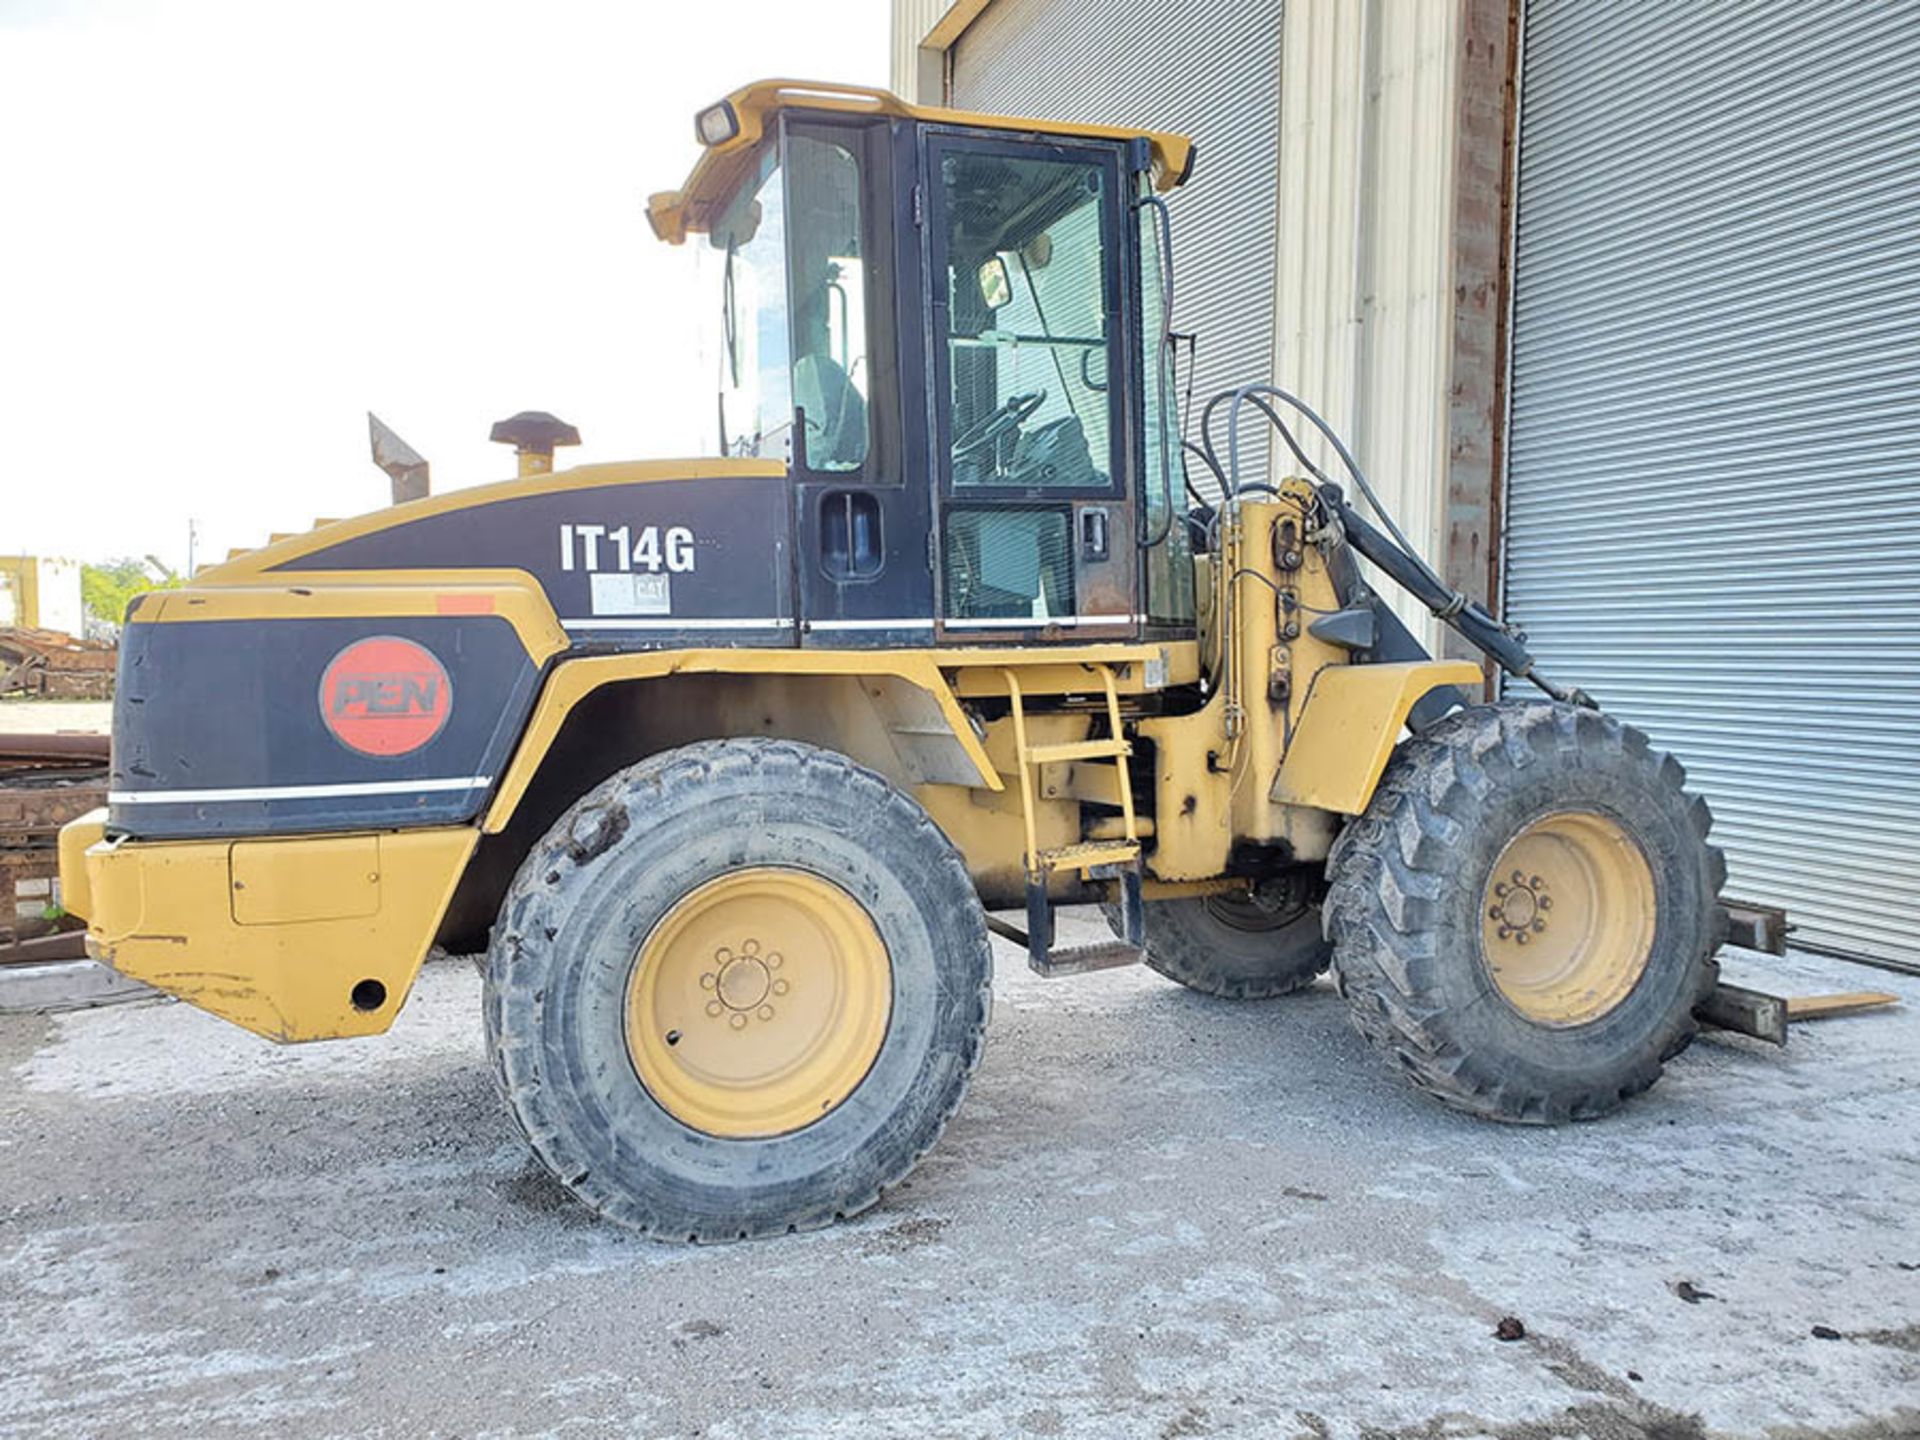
x,y
19,716
1157,1215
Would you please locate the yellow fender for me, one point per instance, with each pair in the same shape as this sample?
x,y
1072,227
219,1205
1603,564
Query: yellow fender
x,y
1351,721
573,680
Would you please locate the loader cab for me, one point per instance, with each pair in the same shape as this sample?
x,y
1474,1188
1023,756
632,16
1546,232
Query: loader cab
x,y
953,336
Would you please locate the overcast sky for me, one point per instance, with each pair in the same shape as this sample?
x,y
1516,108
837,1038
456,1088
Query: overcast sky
x,y
230,228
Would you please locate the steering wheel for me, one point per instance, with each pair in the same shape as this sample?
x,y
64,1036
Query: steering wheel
x,y
981,435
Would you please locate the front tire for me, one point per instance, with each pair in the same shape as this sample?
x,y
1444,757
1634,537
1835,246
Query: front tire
x,y
737,990
1526,916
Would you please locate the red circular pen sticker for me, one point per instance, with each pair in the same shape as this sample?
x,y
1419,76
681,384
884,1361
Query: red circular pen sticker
x,y
385,696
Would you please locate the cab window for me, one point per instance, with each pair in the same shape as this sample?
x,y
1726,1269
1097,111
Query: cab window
x,y
796,305
1168,552
1028,321
756,397
831,371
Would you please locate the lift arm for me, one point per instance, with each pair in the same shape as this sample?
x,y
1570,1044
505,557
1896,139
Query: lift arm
x,y
1467,617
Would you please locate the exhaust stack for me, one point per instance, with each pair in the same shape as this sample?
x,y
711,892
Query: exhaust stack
x,y
534,434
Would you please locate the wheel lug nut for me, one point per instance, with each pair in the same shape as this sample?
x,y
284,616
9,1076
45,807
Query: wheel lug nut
x,y
1495,913
780,987
1546,902
714,1007
1518,878
1522,937
773,960
738,1020
709,980
1539,927
1501,888
1506,932
765,1012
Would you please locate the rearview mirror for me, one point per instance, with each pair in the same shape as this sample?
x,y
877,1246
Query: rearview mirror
x,y
996,285
737,229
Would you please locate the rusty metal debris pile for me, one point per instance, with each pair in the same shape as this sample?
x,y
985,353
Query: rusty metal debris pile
x,y
55,665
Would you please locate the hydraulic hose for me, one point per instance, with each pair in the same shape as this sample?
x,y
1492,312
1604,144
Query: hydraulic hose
x,y
1389,550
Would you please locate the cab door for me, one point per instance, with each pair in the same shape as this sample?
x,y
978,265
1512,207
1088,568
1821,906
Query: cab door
x,y
1027,249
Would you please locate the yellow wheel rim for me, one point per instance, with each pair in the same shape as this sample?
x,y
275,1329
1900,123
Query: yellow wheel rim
x,y
1567,919
758,1003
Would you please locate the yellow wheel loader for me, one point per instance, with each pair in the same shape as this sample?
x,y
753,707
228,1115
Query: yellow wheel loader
x,y
731,766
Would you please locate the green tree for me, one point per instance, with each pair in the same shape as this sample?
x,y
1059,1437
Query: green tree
x,y
105,589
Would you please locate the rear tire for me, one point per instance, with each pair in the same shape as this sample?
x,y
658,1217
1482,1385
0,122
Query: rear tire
x,y
1479,994
1236,947
781,1098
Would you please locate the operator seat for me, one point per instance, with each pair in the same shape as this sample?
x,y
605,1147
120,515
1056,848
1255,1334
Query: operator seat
x,y
836,413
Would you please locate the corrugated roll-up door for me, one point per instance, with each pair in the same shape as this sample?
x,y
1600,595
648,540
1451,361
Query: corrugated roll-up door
x,y
1210,71
1714,488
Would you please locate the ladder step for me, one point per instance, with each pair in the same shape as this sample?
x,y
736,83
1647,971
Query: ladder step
x,y
1043,959
1079,959
1089,853
1077,750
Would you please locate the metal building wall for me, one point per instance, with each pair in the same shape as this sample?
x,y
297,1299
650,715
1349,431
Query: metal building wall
x,y
1364,285
1211,71
1714,465
916,26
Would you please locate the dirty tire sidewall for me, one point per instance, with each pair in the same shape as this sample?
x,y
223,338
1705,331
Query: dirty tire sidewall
x,y
1410,877
587,897
1190,942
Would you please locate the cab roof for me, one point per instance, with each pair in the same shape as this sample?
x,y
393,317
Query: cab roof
x,y
674,214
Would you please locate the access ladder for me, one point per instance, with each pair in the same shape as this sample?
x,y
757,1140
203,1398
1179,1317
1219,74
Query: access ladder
x,y
1117,858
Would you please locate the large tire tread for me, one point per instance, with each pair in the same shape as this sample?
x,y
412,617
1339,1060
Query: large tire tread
x,y
1391,866
514,995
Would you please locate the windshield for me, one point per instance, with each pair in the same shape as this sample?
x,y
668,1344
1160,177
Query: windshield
x,y
793,308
